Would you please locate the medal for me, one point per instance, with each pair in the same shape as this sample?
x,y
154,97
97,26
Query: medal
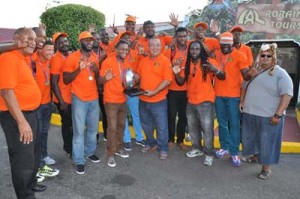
x,y
90,77
47,82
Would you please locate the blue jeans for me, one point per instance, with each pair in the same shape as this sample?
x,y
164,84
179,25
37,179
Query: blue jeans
x,y
44,116
84,114
133,105
155,114
201,117
228,115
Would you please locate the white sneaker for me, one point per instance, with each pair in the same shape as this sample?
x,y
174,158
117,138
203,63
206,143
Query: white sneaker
x,y
39,178
194,153
111,161
46,171
49,161
208,161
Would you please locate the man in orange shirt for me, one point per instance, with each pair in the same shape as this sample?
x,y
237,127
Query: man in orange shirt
x,y
115,101
235,66
177,98
105,45
199,73
156,75
20,97
62,92
81,70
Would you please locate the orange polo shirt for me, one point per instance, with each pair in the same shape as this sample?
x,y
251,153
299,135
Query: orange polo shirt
x,y
232,63
198,89
152,73
81,86
247,51
212,43
177,54
43,79
16,74
57,63
113,89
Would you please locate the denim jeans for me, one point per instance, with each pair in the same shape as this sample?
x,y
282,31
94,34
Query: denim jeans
x,y
201,117
155,114
177,101
66,127
133,105
116,118
84,114
228,115
44,116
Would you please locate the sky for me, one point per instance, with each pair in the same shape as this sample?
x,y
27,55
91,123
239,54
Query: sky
x,y
20,13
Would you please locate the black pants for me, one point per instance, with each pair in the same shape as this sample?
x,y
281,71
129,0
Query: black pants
x,y
66,127
104,119
24,158
177,101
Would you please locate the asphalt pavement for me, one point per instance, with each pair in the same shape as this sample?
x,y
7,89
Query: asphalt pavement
x,y
144,176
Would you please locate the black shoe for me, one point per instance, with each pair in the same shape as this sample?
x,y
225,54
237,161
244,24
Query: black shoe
x,y
39,188
80,169
93,158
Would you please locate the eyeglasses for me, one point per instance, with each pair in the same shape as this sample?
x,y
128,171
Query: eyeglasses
x,y
264,55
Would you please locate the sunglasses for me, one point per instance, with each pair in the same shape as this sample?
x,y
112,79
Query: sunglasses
x,y
263,56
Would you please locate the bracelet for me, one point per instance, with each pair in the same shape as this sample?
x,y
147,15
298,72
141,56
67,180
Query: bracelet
x,y
277,116
217,33
218,72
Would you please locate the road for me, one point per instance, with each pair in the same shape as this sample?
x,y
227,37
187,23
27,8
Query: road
x,y
144,176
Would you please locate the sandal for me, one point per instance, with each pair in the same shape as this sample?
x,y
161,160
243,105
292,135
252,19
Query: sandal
x,y
265,175
250,159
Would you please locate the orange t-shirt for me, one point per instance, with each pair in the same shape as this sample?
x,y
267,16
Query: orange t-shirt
x,y
232,63
164,40
176,54
16,74
109,48
113,89
212,43
247,51
84,88
152,72
198,89
57,63
43,79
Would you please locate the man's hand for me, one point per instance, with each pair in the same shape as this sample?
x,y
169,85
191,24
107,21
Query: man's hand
x,y
94,68
109,75
25,132
150,93
114,29
63,106
174,20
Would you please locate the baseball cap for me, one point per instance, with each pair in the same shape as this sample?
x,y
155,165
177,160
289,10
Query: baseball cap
x,y
203,24
226,38
84,35
58,34
131,18
237,28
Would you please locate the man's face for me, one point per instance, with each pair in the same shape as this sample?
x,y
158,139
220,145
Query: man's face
x,y
130,26
199,32
181,38
47,51
28,37
40,38
122,50
96,40
266,58
87,44
149,30
104,36
126,37
237,37
62,44
226,48
154,47
195,50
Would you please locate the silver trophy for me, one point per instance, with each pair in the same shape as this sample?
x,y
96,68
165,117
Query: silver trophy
x,y
131,88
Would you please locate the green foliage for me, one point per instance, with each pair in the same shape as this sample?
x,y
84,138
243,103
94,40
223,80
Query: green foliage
x,y
73,19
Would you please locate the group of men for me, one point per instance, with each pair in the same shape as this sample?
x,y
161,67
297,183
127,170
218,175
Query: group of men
x,y
188,80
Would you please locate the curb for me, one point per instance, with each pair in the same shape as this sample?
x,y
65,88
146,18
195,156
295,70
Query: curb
x,y
286,147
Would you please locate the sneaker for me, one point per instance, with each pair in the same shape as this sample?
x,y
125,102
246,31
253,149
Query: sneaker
x,y
49,161
80,169
221,153
111,161
46,171
163,155
93,158
39,178
236,161
141,143
104,139
194,153
147,148
122,153
127,146
208,161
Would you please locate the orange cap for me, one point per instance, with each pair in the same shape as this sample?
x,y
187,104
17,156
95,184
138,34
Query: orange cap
x,y
226,38
58,34
203,24
84,35
237,28
126,32
131,18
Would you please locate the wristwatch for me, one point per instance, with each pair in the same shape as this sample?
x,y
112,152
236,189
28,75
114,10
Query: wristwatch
x,y
277,116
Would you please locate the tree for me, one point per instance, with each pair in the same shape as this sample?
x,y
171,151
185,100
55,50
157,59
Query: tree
x,y
72,19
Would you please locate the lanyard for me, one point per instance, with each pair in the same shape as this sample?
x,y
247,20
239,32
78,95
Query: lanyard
x,y
45,72
223,62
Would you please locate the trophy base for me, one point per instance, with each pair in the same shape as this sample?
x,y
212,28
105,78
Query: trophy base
x,y
134,92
